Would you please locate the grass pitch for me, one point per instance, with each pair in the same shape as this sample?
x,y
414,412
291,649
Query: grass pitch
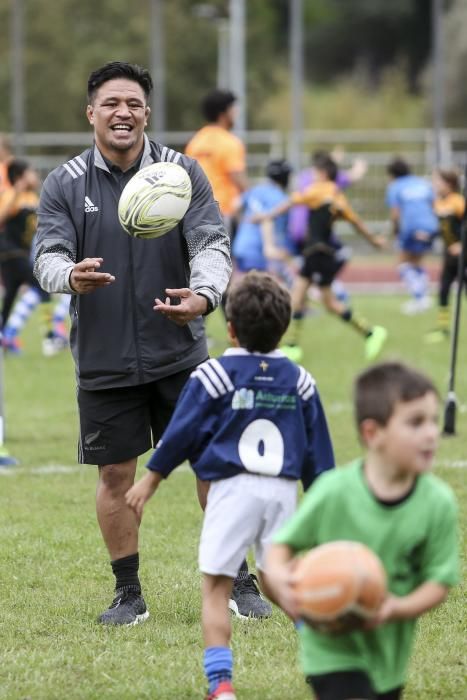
x,y
54,571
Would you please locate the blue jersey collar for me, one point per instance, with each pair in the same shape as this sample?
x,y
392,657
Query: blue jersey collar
x,y
244,351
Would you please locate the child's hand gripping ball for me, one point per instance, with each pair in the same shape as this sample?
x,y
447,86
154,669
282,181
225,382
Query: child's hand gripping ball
x,y
339,586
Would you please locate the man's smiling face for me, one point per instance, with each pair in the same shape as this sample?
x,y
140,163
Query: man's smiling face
x,y
119,114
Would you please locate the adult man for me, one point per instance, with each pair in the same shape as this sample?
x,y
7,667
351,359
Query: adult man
x,y
220,153
131,363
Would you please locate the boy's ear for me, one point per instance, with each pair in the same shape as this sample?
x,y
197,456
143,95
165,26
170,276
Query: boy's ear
x,y
369,430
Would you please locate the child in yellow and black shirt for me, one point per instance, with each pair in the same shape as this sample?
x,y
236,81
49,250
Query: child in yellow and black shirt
x,y
18,205
321,255
449,208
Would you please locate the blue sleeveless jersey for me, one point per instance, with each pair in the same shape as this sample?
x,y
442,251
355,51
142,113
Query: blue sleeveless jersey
x,y
414,198
247,412
247,246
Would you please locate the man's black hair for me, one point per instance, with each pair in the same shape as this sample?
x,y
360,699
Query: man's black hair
x,y
119,69
398,167
216,103
16,169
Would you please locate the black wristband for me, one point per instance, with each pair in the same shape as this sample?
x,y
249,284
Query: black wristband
x,y
210,306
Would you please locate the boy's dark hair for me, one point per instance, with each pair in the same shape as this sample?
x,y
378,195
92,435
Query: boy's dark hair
x,y
451,177
398,167
259,309
216,103
119,69
279,171
378,389
323,161
16,169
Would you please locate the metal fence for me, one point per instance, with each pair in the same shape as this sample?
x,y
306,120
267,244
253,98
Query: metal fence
x,y
375,146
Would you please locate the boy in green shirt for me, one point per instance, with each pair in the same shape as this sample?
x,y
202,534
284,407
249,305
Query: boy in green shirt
x,y
389,502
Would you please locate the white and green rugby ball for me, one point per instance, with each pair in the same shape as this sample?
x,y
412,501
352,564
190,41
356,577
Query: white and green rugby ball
x,y
155,200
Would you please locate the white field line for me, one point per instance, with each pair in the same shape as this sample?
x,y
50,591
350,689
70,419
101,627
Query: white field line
x,y
47,469
338,407
62,469
452,463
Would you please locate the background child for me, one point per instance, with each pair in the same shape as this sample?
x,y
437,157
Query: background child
x,y
321,255
388,501
250,422
410,200
299,215
265,246
449,208
18,219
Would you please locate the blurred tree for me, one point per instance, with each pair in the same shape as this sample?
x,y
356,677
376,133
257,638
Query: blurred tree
x,y
65,40
368,33
455,47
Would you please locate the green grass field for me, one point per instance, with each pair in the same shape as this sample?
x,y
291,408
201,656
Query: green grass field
x,y
54,571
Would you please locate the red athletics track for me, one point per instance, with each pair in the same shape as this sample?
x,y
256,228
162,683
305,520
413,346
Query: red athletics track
x,y
370,274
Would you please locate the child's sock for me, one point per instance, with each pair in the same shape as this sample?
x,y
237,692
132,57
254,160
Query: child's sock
x,y
293,334
60,312
340,291
218,663
21,312
360,324
443,318
414,278
420,282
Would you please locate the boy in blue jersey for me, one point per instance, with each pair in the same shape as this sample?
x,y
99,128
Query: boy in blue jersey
x,y
411,202
265,246
252,424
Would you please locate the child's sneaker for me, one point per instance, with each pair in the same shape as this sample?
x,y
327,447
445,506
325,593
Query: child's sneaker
x,y
438,335
224,691
12,346
53,343
293,352
7,460
417,306
374,343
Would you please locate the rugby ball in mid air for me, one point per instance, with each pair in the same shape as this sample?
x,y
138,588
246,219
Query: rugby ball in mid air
x,y
155,200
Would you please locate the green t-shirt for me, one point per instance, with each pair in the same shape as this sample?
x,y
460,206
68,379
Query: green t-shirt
x,y
416,541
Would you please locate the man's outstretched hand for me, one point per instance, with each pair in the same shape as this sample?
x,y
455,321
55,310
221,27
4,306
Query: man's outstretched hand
x,y
191,306
85,278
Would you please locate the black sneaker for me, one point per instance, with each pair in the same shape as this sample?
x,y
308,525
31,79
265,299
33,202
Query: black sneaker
x,y
128,608
246,600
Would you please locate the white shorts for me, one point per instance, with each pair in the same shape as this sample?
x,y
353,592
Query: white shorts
x,y
242,511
